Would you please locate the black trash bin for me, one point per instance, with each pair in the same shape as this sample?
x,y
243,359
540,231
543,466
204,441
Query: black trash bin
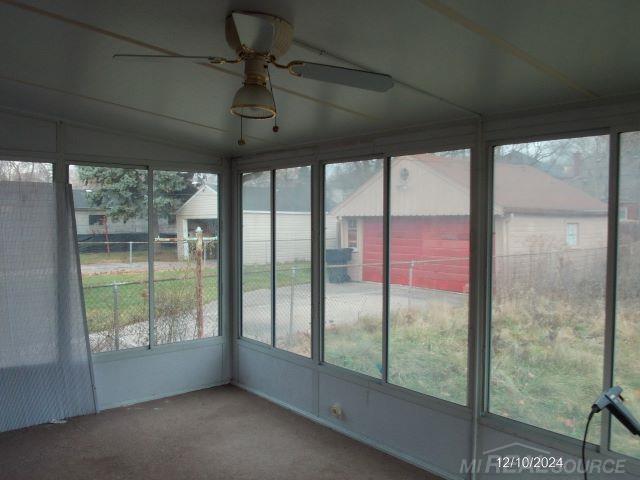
x,y
339,257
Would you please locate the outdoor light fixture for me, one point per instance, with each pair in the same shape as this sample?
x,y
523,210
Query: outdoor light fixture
x,y
254,100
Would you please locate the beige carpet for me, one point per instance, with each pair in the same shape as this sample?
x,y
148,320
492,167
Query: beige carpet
x,y
218,433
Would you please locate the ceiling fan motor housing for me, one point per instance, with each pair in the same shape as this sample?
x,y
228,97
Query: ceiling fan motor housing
x,y
256,33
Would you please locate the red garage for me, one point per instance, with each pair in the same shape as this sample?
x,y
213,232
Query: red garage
x,y
429,224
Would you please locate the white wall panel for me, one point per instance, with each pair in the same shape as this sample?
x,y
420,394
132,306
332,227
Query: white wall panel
x,y
496,442
440,440
137,376
418,434
285,381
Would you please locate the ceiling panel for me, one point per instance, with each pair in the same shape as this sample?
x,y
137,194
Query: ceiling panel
x,y
57,59
594,42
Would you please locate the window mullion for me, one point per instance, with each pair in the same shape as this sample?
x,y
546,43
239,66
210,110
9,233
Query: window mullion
x,y
386,175
273,257
150,258
610,295
317,247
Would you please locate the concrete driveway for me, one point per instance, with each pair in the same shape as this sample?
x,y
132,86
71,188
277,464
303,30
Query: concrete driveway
x,y
345,303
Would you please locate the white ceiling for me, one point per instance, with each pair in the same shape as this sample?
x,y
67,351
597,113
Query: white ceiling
x,y
487,56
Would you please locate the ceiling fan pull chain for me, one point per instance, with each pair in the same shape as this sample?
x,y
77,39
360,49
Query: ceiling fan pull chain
x,y
276,128
241,140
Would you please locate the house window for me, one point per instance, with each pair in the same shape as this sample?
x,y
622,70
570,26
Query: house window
x,y
352,233
547,317
97,219
572,235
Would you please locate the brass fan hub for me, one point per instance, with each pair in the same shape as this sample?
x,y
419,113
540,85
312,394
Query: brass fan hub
x,y
281,40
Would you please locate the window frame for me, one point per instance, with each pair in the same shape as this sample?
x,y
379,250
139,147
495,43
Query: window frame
x,y
575,234
352,228
509,425
150,167
316,361
538,125
239,242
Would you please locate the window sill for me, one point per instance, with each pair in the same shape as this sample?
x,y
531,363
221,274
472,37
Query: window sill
x,y
137,352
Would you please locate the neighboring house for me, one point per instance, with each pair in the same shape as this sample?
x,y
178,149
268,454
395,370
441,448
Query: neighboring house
x,y
94,227
200,210
430,220
293,227
94,221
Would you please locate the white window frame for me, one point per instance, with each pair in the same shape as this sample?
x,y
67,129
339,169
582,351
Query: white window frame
x,y
150,167
536,125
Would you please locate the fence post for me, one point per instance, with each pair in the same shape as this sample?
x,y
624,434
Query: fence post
x,y
411,265
130,253
116,316
293,282
199,293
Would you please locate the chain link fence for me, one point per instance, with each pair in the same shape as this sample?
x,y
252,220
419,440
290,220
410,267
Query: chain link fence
x,y
185,294
116,292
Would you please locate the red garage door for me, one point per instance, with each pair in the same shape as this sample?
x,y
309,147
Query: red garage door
x,y
437,246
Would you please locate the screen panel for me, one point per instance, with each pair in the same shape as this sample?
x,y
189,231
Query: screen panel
x,y
256,256
353,256
627,333
186,245
549,274
429,273
111,222
293,260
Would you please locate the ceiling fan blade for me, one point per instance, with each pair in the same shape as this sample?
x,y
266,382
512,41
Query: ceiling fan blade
x,y
378,82
162,58
255,31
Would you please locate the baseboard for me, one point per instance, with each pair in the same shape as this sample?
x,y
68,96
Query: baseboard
x,y
356,436
127,403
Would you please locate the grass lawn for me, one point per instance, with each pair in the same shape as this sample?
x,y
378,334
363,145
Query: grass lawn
x,y
542,348
546,370
133,296
171,287
161,255
257,277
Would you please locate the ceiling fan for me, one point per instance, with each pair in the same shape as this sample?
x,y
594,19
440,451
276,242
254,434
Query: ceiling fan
x,y
259,39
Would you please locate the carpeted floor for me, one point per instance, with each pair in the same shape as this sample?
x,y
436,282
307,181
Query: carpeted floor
x,y
219,433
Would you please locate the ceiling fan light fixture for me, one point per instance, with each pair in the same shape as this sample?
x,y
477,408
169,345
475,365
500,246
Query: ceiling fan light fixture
x,y
253,101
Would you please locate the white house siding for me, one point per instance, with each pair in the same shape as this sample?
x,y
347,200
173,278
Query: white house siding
x,y
203,204
293,236
533,249
136,225
422,192
517,234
